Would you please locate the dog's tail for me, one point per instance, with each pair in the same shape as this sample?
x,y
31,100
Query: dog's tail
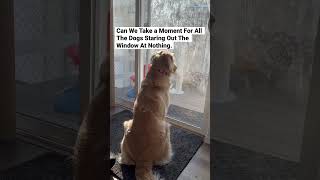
x,y
144,172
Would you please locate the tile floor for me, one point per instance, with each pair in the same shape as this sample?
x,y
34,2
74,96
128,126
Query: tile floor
x,y
199,166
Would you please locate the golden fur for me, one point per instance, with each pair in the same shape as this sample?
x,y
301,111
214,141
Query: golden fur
x,y
146,140
91,145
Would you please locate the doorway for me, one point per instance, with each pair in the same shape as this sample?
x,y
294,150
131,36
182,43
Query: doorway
x,y
189,86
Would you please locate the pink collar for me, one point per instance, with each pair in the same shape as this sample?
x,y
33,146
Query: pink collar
x,y
163,72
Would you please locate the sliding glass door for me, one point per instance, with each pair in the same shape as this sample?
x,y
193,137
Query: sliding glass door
x,y
189,85
47,61
124,60
53,70
262,73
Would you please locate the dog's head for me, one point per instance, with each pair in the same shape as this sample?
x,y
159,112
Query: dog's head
x,y
164,61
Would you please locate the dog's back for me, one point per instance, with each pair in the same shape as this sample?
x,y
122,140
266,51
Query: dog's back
x,y
146,140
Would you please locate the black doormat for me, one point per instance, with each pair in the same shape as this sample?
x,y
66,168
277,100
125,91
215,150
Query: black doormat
x,y
187,115
50,166
184,145
235,163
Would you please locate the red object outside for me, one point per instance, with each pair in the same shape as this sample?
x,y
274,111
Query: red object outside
x,y
146,69
73,53
133,78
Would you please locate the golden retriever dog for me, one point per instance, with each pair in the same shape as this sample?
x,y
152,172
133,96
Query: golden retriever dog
x,y
146,140
92,144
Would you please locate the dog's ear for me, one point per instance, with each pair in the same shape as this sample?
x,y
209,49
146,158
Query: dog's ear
x,y
155,57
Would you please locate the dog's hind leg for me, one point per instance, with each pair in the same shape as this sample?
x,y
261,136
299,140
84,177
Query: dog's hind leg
x,y
124,156
125,159
167,154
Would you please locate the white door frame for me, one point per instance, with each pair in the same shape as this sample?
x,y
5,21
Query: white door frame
x,y
205,127
140,18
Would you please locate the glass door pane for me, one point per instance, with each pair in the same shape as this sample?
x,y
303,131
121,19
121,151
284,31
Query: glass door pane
x,y
193,59
124,60
47,61
263,61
